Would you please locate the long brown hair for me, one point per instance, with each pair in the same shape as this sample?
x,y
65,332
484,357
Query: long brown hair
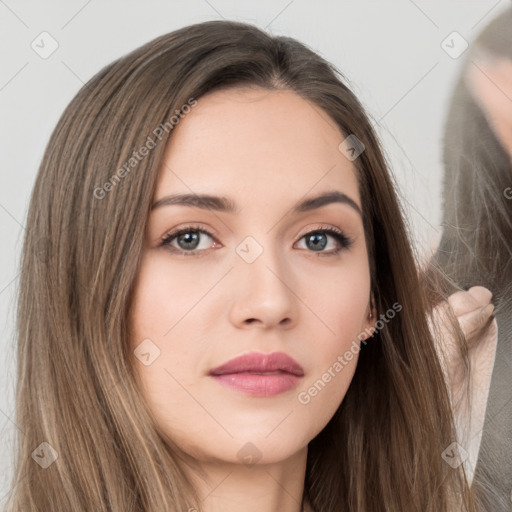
x,y
76,390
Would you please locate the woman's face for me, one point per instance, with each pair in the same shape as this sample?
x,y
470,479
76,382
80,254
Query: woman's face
x,y
262,278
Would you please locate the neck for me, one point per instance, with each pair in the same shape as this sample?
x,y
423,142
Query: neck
x,y
233,486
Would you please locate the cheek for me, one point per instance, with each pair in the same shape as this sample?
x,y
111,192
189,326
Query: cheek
x,y
164,301
163,356
340,306
340,302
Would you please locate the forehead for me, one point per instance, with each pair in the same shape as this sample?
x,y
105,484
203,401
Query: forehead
x,y
256,142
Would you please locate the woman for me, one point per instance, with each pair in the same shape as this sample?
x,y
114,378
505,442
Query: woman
x,y
171,256
476,246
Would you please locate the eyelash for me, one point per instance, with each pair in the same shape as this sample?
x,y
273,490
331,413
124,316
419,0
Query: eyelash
x,y
343,240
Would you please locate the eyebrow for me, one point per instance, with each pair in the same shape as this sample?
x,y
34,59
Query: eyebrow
x,y
226,205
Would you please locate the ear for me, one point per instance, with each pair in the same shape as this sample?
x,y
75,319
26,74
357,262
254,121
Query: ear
x,y
368,326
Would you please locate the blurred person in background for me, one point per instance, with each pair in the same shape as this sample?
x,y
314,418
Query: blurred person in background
x,y
476,248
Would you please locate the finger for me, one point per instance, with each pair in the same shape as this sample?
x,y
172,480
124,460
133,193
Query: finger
x,y
473,323
482,294
463,302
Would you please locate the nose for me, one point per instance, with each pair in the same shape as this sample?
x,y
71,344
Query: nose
x,y
265,293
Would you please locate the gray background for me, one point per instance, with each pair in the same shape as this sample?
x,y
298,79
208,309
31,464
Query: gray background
x,y
391,51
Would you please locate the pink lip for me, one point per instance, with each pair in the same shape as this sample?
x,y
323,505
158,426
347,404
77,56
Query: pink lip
x,y
259,374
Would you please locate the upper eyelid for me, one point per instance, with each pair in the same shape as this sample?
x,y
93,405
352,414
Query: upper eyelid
x,y
212,232
173,233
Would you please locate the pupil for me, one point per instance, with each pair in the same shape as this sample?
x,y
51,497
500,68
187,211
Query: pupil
x,y
188,238
316,243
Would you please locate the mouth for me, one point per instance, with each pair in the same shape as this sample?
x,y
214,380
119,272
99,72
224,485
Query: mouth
x,y
259,374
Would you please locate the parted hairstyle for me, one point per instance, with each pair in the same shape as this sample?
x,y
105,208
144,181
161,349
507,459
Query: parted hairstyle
x,y
77,389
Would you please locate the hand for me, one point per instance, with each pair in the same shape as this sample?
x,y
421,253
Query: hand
x,y
489,81
473,310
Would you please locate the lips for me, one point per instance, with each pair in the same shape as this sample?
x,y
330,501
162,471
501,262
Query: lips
x,y
257,363
259,375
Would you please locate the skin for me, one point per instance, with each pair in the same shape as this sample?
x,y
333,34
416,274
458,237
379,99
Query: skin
x,y
266,151
489,80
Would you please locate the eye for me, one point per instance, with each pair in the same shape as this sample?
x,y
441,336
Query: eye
x,y
317,240
188,240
